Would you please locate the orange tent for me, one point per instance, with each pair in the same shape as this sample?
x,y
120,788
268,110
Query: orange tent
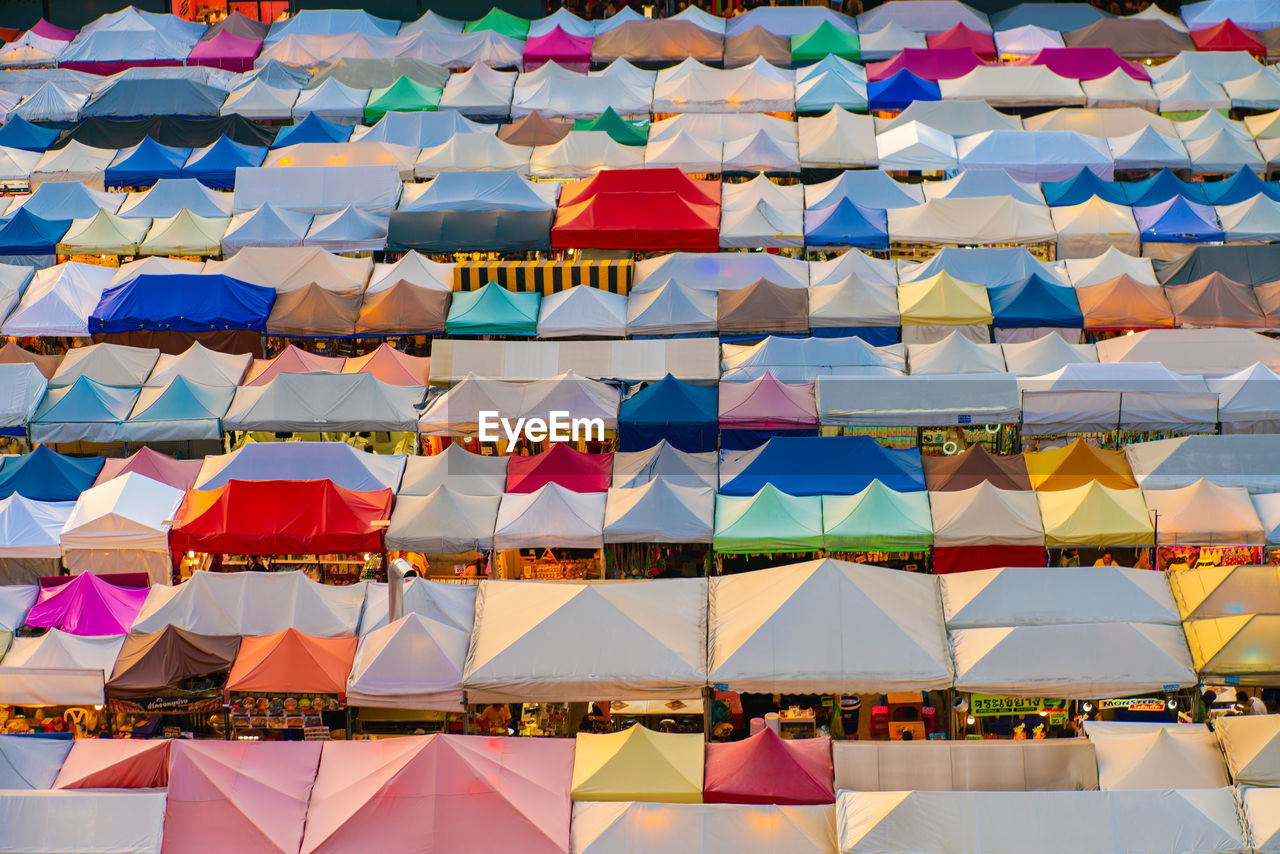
x,y
391,366
291,661
1124,303
1078,464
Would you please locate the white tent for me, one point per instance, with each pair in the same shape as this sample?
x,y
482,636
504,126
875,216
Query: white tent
x,y
109,364
74,162
445,521
332,100
58,301
1208,124
1256,220
682,151
831,82
1205,513
1119,90
122,525
581,154
562,18
1224,153
691,87
1027,40
805,359
888,41
1215,66
441,601
1207,352
551,517
1233,461
57,669
976,220
1035,155
1050,764
659,511
1157,821
838,139
627,827
479,91
916,146
200,364
414,663
23,388
458,469
253,603
1112,263
1044,355
120,821
473,152
1156,756
983,182
1189,92
955,118
770,630
1088,397
257,100
671,308
1095,226
663,461
1148,149
986,515
955,354
1046,596
1261,808
1259,91
921,401
415,268
30,528
50,103
1268,509
1013,86
761,214
555,91
322,401
1248,400
853,302
582,311
1251,744
854,263
719,271
760,152
648,640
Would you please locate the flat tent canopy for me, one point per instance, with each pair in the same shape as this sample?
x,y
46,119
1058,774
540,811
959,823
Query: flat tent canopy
x,y
335,461
612,828
57,669
103,820
821,466
30,763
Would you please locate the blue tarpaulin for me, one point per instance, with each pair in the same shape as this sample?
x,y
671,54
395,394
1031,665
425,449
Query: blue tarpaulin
x,y
85,411
27,234
182,303
682,413
329,21
1161,187
494,310
20,133
824,465
1062,17
1035,301
46,475
312,129
846,223
215,165
70,200
143,164
898,91
1178,221
1240,187
1084,186
985,265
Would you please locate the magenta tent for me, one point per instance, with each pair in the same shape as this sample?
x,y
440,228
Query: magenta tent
x,y
767,769
46,30
927,63
87,605
1084,63
441,794
767,404
225,50
239,795
961,37
573,52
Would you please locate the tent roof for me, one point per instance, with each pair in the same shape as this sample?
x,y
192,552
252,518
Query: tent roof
x,y
130,511
659,511
550,517
769,521
975,465
152,662
600,828
767,403
1252,750
1008,517
877,519
652,209
1156,756
292,661
1131,38
561,464
1094,515
443,522
1038,596
1077,464
1205,513
57,669
87,605
457,468
953,355
943,299
767,769
46,475
31,763
1241,646
182,303
200,364
665,461
77,820
638,764
1124,303
30,529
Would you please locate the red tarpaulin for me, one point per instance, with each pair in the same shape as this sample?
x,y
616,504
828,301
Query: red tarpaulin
x,y
961,37
927,63
1084,63
964,558
641,210
280,517
560,464
1226,35
766,769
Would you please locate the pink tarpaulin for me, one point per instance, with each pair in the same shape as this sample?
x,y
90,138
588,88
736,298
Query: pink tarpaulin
x,y
115,763
46,30
441,794
767,769
239,796
560,464
180,474
1084,63
225,50
767,404
573,52
961,37
928,63
87,605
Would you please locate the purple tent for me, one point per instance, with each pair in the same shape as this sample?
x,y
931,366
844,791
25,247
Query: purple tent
x,y
927,63
87,605
225,50
46,30
1084,63
573,52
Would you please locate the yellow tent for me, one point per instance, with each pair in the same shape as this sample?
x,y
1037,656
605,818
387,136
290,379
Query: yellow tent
x,y
1094,515
1246,646
186,233
1076,465
943,300
104,233
638,764
1225,591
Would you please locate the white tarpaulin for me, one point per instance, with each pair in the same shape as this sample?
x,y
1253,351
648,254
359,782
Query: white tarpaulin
x,y
664,461
837,140
631,827
1088,397
582,311
444,522
59,300
414,663
83,821
1251,744
1045,354
987,765
660,511
803,360
122,526
551,517
1248,461
976,220
1156,756
57,669
457,468
920,401
1044,596
955,354
689,359
707,271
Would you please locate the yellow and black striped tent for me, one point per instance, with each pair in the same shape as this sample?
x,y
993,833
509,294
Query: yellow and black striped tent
x,y
546,277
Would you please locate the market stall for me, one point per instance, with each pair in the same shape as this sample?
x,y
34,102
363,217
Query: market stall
x,y
289,682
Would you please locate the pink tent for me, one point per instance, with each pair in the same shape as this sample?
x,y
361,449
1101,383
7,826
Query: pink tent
x,y
766,769
961,37
1084,63
767,404
115,763
239,795
87,604
46,30
225,50
180,474
560,464
573,52
441,794
929,63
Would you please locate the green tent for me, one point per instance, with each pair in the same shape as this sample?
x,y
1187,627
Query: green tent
x,y
618,128
877,519
769,521
502,23
493,310
406,95
825,39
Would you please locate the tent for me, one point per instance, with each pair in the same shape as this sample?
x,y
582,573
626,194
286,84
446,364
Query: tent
x,y
253,603
1131,38
1245,400
942,299
821,466
390,366
1149,756
665,461
609,828
569,50
561,19
764,307
115,764
1118,90
1214,301
305,402
1009,534
1174,463
292,661
560,464
928,64
618,129
266,225
405,95
1258,91
1240,648
46,475
402,307
582,311
1077,464
831,82
29,541
1085,185
138,97
1223,591
25,387
312,128
656,41
129,37
1148,149
493,211
23,135
805,359
1094,515
652,209
1083,272
960,37
766,404
974,220
170,196
1026,40
85,411
1208,352
768,521
183,410
599,99
837,139
88,606
225,50
257,100
1018,86
1124,303
1189,93
854,304
104,234
1045,354
443,522
550,517
1249,221
974,466
1035,302
1094,226
82,820
462,471
659,511
670,410
974,765
333,101
900,90
671,309
157,663
110,364
1034,155
877,519
1250,746
935,16
122,525
1205,513
1249,265
255,794
765,769
519,786
30,763
824,40
200,364
493,310
651,641
480,92
638,764
57,669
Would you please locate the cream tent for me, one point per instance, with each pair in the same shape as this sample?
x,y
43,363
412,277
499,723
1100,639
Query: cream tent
x,y
691,87
1093,227
320,401
1251,744
1103,268
769,630
1156,756
109,364
335,461
943,300
581,154
955,118
853,302
915,146
1137,822
854,263
257,100
83,820
551,517
1094,515
288,269
473,152
975,220
986,515
1233,460
761,214
659,511
1255,220
1205,513
555,91
1261,809
665,461
582,311
185,233
987,765
1249,400
1243,648
649,641
463,472
122,526
201,365
413,663
1188,93
1044,355
1119,90
74,162
837,140
671,309
1013,86
983,182
955,354
614,828
1036,596
57,669
253,603
1223,591
443,522
888,41
104,234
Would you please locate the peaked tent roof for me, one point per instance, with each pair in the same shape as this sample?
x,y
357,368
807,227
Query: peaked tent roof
x,y
877,519
821,466
1156,756
152,662
550,517
765,769
975,465
292,661
46,475
638,764
96,763
1039,596
768,521
87,605
653,209
1094,515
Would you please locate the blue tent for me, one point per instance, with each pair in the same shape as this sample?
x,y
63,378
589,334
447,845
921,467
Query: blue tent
x,y
266,226
1240,187
184,410
1250,14
898,91
312,129
215,165
824,465
494,310
20,133
27,234
31,762
1161,187
330,21
847,223
1084,186
85,411
63,199
129,98
1062,17
475,211
684,414
182,303
830,82
1178,221
870,188
46,475
422,129
986,265
144,164
1035,301
279,75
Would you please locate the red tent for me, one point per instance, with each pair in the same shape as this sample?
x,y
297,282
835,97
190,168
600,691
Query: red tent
x,y
766,769
1226,35
641,210
961,37
964,558
280,517
112,763
927,63
560,464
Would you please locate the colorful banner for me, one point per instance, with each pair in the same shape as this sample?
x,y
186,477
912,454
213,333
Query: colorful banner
x,y
986,705
1137,704
1177,557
